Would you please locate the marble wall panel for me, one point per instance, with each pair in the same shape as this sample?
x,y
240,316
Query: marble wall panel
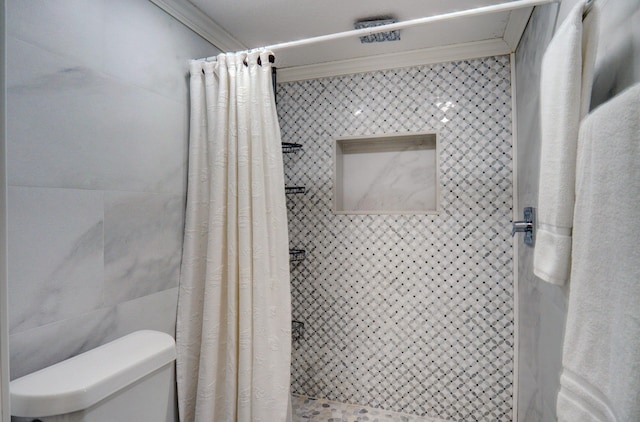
x,y
149,49
543,307
48,344
55,256
142,245
130,40
72,126
97,105
395,181
538,380
73,28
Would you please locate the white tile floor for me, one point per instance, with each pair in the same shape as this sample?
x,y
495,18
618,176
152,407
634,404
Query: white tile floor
x,y
319,410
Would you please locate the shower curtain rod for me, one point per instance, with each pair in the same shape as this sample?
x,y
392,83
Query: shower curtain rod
x,y
502,7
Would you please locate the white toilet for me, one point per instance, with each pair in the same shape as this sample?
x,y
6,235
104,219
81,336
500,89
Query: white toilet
x,y
129,379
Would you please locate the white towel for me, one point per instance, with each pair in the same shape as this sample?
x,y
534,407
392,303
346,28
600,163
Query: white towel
x,y
601,359
567,75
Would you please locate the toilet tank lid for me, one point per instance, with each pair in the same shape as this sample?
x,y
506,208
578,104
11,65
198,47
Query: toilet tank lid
x,y
83,380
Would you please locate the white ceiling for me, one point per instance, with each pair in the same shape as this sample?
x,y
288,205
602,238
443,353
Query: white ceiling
x,y
258,23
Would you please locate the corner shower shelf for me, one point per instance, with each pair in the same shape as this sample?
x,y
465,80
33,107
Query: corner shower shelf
x,y
297,331
292,190
289,147
296,255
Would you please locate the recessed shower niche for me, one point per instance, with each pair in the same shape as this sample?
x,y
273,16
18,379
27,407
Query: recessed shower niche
x,y
386,174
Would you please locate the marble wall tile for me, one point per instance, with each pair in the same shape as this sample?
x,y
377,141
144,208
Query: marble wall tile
x,y
75,127
55,254
543,307
143,244
132,40
391,181
156,311
73,28
46,345
156,57
553,313
97,109
528,67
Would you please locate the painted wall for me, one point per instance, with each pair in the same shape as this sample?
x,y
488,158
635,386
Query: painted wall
x,y
542,306
97,109
406,313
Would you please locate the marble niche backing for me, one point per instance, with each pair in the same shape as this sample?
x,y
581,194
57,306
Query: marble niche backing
x,y
386,174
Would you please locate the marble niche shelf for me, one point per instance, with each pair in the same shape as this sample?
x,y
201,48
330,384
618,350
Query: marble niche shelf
x,y
386,174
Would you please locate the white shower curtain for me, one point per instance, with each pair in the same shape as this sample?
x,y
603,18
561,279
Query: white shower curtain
x,y
234,308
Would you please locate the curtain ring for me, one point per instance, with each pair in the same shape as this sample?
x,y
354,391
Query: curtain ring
x,y
272,59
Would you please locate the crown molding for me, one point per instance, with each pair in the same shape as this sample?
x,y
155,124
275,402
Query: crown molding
x,y
518,20
472,50
196,20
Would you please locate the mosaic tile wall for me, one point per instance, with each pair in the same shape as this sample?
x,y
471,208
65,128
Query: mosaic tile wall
x,y
411,314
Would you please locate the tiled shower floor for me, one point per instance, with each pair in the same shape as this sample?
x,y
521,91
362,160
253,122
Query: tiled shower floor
x,y
319,410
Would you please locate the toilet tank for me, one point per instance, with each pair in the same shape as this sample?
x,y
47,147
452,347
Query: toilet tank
x,y
129,379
